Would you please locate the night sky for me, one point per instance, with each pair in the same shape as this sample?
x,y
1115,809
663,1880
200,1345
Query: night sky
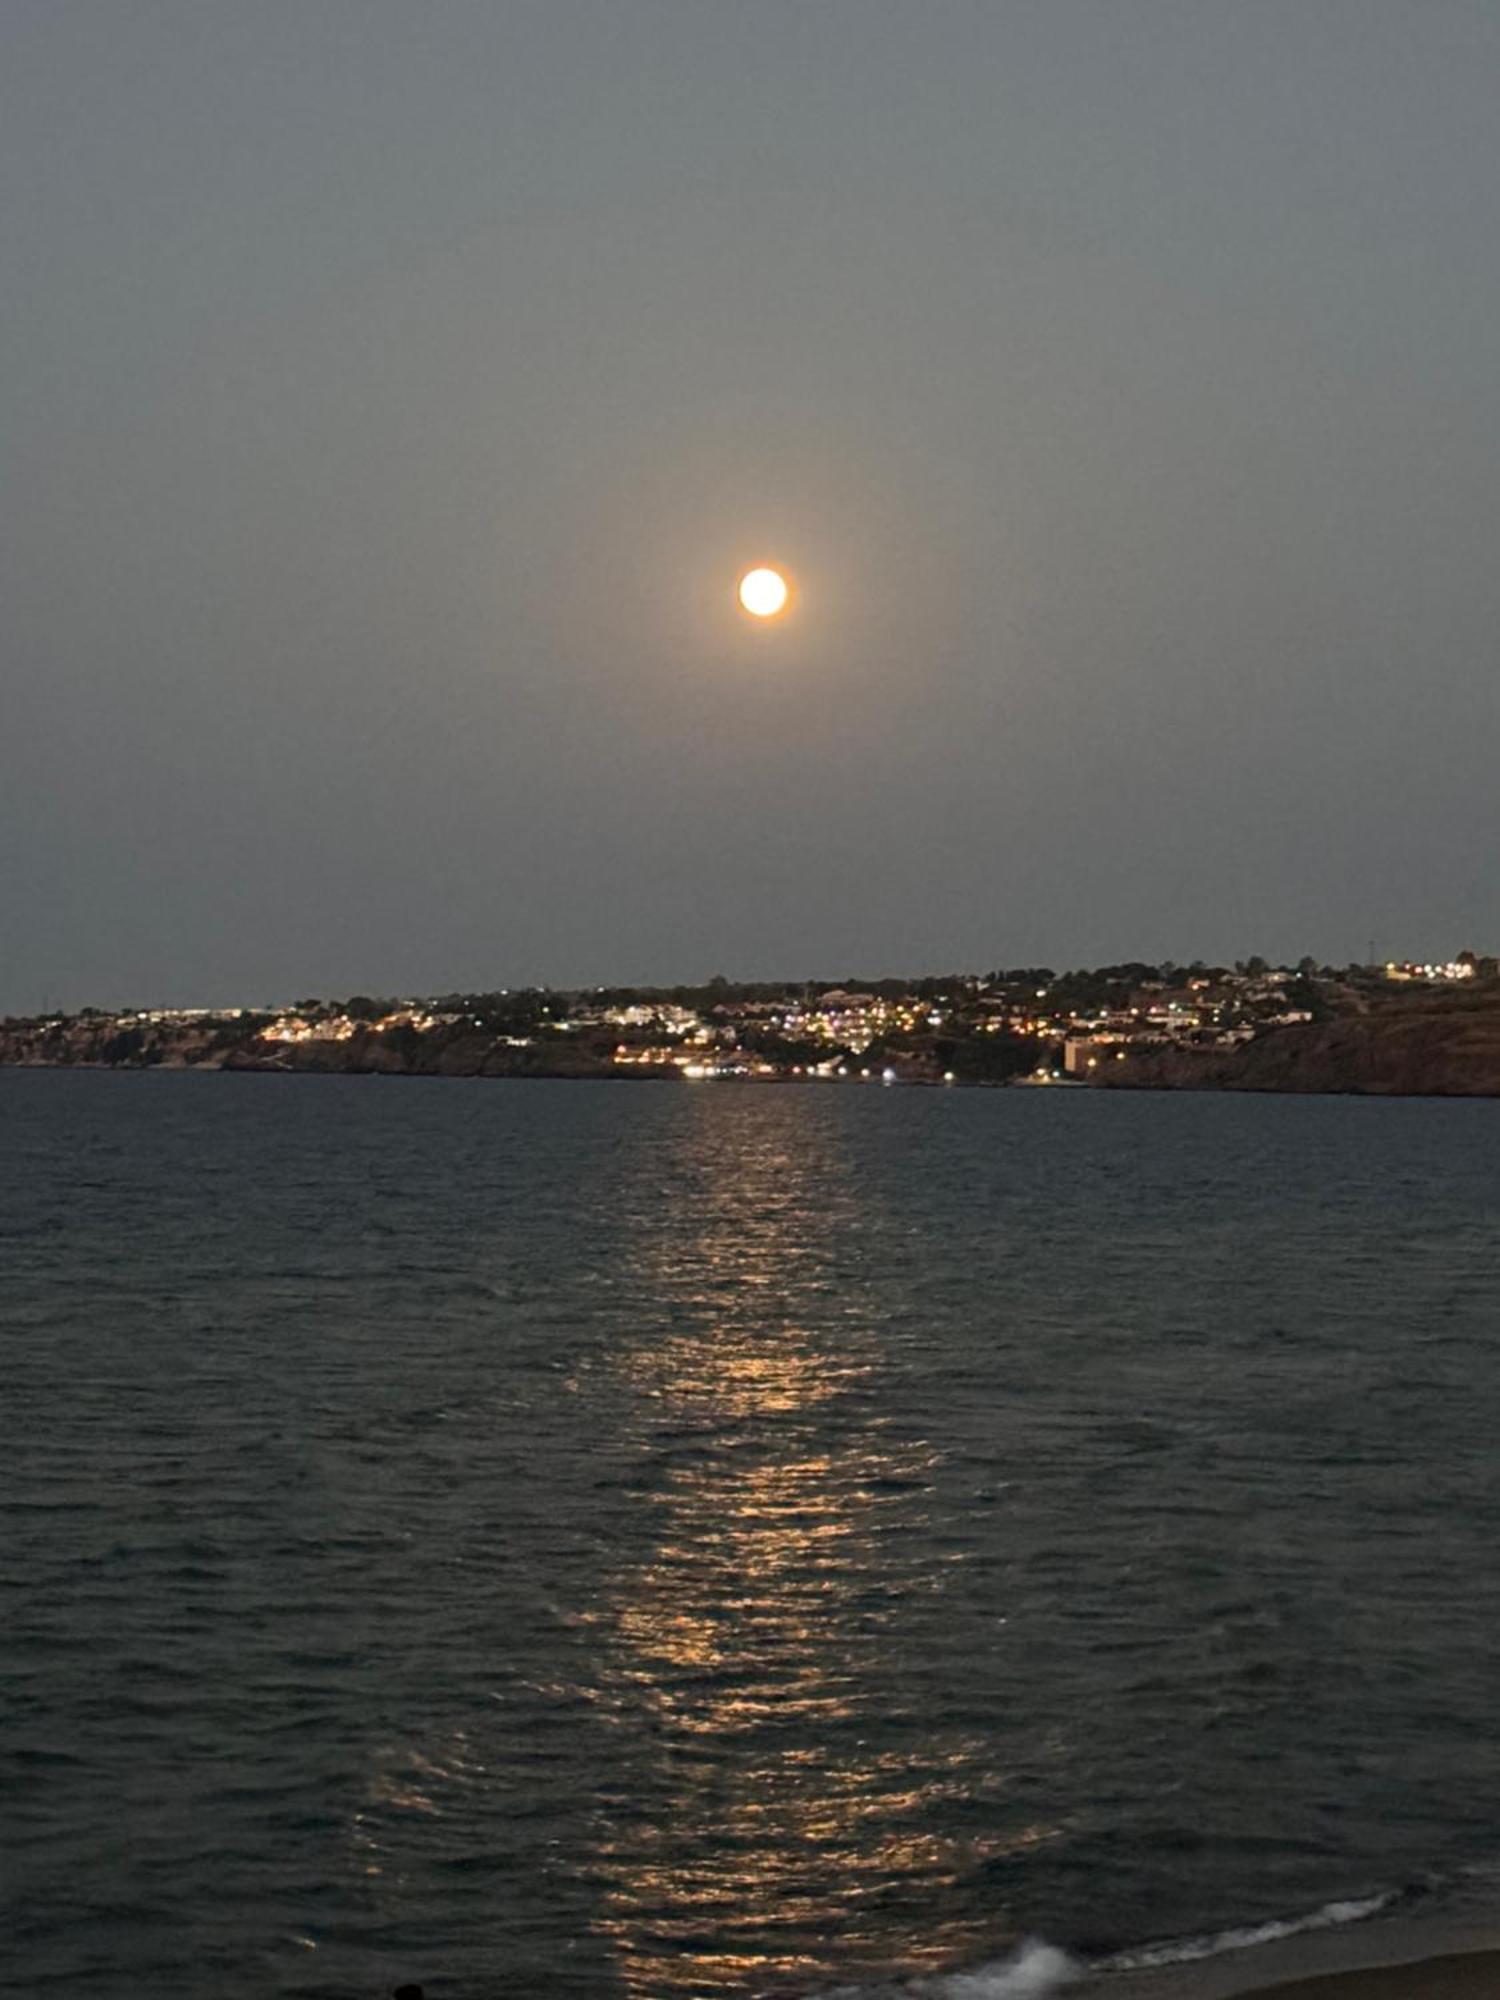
x,y
392,394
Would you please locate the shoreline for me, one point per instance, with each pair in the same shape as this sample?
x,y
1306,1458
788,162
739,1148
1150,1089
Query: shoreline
x,y
1455,1975
394,1074
1449,1956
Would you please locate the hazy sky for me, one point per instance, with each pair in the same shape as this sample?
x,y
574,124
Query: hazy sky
x,y
392,392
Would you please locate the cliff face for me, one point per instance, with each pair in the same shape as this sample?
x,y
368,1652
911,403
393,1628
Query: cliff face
x,y
82,1042
370,1053
99,1042
1428,1046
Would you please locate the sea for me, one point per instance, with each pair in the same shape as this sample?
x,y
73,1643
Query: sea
x,y
619,1541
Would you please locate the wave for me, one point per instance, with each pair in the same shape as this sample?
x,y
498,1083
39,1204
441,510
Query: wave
x,y
1184,1951
1032,1971
1037,1969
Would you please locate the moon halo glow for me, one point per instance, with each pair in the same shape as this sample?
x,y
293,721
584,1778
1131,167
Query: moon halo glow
x,y
764,592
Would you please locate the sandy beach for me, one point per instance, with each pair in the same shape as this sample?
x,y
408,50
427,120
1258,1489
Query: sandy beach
x,y
1463,1975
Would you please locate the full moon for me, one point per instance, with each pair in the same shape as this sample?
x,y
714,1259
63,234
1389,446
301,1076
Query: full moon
x,y
763,593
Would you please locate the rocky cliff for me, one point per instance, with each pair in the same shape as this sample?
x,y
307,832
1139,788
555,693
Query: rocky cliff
x,y
81,1041
1425,1045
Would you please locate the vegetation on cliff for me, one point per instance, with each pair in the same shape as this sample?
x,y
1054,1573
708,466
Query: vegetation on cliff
x,y
1412,1045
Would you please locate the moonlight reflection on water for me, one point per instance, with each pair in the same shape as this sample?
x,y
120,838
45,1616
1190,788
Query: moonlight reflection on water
x,y
791,1790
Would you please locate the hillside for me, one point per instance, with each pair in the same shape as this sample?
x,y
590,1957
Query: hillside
x,y
1422,1045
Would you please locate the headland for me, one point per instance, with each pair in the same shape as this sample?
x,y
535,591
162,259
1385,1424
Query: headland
x,y
1392,1030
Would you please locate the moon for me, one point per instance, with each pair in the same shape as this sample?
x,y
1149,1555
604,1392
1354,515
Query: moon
x,y
764,592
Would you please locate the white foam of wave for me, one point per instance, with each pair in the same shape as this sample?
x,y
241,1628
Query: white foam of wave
x,y
1036,1969
1032,1971
1184,1951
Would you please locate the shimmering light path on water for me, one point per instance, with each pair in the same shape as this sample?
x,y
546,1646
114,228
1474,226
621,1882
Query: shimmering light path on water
x,y
591,1540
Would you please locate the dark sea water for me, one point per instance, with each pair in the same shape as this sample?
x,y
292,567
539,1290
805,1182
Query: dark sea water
x,y
591,1541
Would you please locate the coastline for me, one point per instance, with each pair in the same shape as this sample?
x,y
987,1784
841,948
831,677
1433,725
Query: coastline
x,y
1383,1957
1155,1087
1282,1034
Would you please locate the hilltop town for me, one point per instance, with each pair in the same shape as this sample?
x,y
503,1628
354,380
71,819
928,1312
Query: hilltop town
x,y
1393,1028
